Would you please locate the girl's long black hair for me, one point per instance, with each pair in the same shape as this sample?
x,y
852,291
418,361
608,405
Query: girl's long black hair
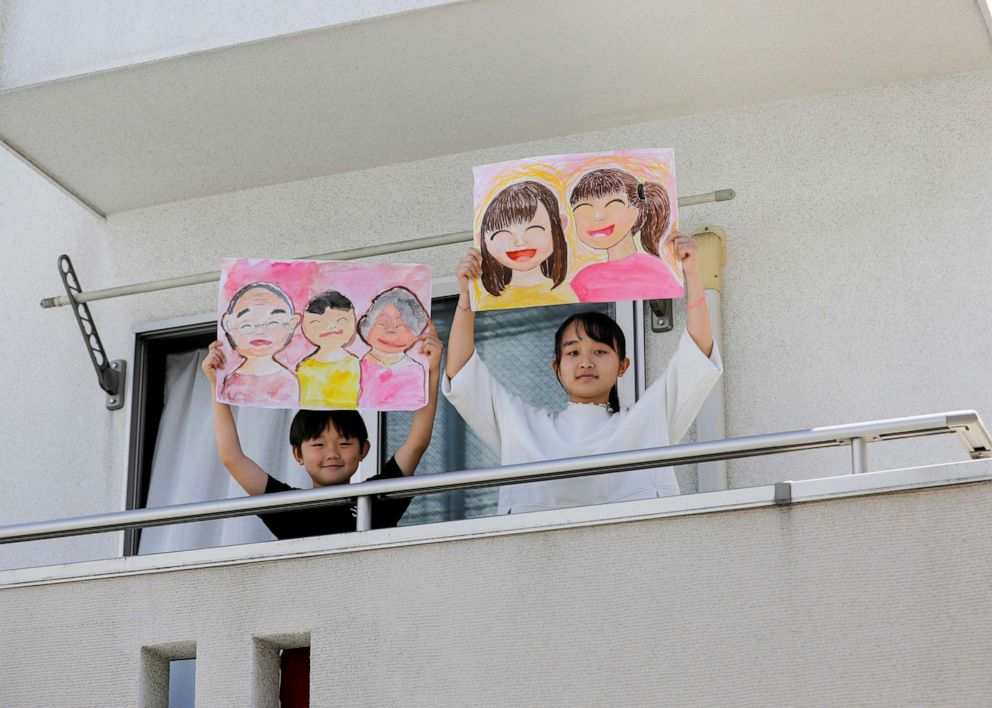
x,y
600,328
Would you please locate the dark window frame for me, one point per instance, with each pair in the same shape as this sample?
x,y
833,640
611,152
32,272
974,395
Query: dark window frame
x,y
151,346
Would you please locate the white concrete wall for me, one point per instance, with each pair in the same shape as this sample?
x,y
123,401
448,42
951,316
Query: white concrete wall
x,y
60,454
880,600
856,286
45,40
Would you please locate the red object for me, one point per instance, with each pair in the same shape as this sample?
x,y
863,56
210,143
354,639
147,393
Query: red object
x,y
294,683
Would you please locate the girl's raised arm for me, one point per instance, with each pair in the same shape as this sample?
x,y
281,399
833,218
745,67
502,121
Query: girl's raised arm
x,y
698,314
461,342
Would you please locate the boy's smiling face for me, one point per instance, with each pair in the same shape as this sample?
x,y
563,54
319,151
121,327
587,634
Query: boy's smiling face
x,y
331,458
330,330
260,323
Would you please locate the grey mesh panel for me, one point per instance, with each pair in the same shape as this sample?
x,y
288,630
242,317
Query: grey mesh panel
x,y
517,345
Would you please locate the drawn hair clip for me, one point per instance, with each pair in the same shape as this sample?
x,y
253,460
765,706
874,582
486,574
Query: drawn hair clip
x,y
640,190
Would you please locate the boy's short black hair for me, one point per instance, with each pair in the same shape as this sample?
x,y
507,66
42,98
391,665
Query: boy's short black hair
x,y
308,425
329,300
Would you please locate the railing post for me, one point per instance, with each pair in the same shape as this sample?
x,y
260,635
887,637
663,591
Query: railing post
x,y
364,521
859,455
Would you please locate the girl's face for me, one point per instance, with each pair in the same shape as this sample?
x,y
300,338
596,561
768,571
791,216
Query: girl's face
x,y
330,330
588,369
522,246
603,222
390,333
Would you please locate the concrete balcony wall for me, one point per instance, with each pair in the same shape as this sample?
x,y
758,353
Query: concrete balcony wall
x,y
856,286
878,599
46,40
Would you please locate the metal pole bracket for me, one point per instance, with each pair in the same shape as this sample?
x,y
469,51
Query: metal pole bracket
x,y
110,374
662,319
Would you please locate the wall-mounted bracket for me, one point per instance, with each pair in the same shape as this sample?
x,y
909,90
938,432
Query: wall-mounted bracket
x,y
110,374
662,319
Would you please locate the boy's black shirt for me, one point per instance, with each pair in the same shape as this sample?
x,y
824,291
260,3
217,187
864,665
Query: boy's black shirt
x,y
339,518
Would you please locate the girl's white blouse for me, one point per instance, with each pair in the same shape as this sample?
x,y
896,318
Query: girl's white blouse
x,y
519,432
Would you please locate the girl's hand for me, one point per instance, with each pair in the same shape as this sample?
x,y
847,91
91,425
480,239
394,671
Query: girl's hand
x,y
215,360
469,268
687,251
431,346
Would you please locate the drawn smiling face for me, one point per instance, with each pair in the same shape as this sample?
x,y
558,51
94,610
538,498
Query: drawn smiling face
x,y
525,245
330,330
602,222
390,333
260,323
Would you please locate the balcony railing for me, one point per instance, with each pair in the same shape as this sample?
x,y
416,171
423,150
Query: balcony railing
x,y
967,425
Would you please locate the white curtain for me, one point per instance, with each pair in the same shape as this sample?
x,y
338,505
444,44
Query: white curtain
x,y
186,468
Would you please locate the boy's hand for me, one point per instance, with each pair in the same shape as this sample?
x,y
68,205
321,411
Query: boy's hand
x,y
686,250
215,360
469,268
431,347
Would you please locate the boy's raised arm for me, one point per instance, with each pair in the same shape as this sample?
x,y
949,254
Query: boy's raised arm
x,y
246,473
419,437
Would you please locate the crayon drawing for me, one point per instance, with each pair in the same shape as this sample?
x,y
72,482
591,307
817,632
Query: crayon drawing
x,y
576,228
322,334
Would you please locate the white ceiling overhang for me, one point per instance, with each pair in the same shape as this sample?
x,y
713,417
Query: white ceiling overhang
x,y
460,77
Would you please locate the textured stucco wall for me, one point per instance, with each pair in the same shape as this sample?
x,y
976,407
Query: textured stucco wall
x,y
880,600
856,280
45,40
856,285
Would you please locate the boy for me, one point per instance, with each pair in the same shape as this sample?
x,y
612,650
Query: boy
x,y
329,445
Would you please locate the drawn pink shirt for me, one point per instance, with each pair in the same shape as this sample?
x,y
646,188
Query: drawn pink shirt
x,y
636,277
275,388
397,387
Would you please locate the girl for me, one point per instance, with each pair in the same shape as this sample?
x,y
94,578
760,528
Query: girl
x,y
524,254
589,358
610,206
391,380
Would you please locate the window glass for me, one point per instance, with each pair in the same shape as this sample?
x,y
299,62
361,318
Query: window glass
x,y
182,683
294,678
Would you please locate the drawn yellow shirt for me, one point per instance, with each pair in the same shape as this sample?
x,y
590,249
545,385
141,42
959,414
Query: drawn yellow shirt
x,y
529,296
329,384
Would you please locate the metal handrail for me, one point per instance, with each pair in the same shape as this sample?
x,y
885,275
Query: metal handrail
x,y
382,249
967,425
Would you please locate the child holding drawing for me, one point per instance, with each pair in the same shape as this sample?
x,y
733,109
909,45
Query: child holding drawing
x,y
329,445
590,355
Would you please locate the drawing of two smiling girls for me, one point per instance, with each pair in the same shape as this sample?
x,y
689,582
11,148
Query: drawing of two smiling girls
x,y
525,254
260,322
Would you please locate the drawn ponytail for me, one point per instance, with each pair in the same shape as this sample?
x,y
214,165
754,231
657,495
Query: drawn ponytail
x,y
655,212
